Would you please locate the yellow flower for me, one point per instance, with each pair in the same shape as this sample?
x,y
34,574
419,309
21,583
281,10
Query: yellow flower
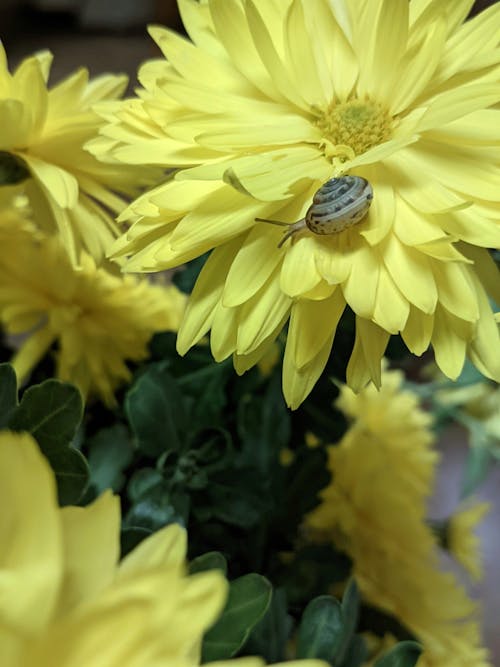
x,y
461,540
97,319
375,510
268,102
66,601
71,191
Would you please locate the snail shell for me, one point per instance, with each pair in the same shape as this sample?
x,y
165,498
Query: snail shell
x,y
338,204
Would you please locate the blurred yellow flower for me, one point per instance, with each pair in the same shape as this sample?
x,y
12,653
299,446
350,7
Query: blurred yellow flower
x,y
375,510
270,100
72,192
64,598
66,601
461,539
98,319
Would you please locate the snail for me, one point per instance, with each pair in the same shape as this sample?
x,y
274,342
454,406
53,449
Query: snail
x,y
339,203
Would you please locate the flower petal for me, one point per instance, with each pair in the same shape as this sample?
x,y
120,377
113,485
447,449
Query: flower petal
x,y
91,550
312,324
252,266
261,315
206,293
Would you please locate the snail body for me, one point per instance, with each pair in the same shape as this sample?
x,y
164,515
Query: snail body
x,y
338,204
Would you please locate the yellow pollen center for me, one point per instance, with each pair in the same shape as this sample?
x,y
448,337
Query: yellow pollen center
x,y
354,127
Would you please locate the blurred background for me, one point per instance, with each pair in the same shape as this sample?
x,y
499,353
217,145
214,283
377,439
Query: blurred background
x,y
111,36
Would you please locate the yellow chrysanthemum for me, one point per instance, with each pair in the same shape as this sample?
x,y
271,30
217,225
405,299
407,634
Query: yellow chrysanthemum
x,y
375,510
461,539
98,319
271,99
71,191
65,601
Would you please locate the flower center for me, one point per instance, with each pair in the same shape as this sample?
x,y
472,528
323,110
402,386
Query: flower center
x,y
353,127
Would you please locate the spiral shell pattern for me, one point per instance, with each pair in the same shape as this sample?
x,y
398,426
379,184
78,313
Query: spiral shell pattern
x,y
339,203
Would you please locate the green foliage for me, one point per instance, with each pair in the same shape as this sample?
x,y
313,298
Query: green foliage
x,y
327,627
247,602
110,451
155,412
404,654
50,412
269,637
213,560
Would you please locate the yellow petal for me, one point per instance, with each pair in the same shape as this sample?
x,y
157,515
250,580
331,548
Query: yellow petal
x,y
449,105
418,66
58,183
418,331
31,555
165,548
253,265
223,214
271,58
456,290
335,61
298,383
312,324
224,332
240,46
91,550
382,38
298,272
261,315
483,349
360,288
449,340
485,269
391,308
412,273
300,56
196,65
205,296
365,362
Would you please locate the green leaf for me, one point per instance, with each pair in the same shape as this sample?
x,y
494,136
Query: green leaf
x,y
320,629
8,393
51,412
404,654
350,613
110,452
213,560
238,505
264,426
476,468
248,599
327,626
269,637
357,653
155,410
72,474
142,481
